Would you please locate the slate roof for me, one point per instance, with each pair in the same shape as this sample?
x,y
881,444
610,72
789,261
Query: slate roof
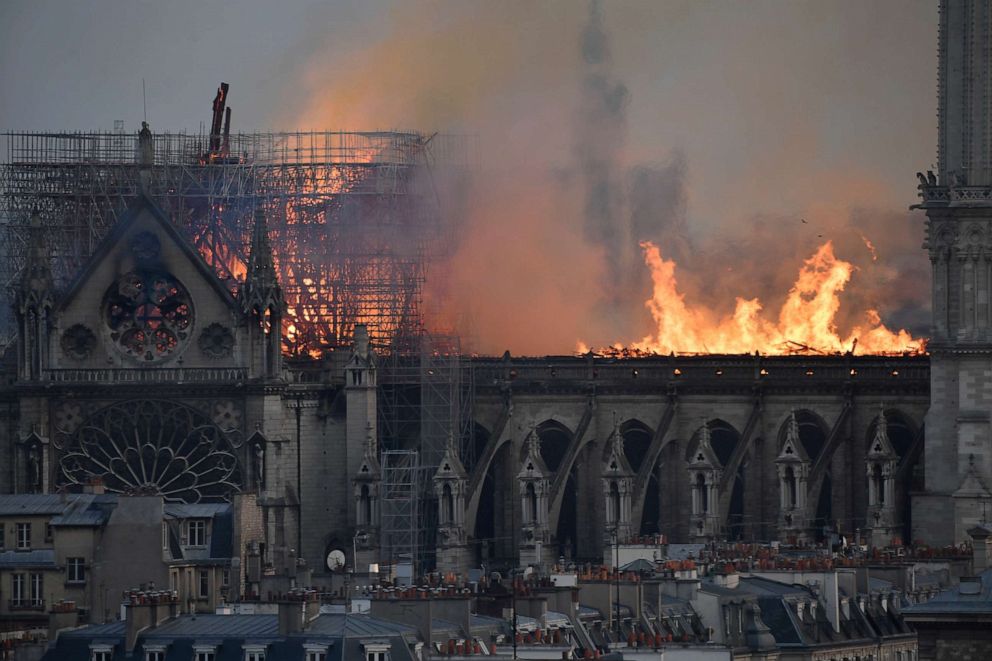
x,y
86,510
343,635
35,504
974,598
25,559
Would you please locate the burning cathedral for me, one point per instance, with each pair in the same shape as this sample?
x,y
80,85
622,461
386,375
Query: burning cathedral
x,y
199,316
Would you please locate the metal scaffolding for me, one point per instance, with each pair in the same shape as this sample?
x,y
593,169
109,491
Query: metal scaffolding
x,y
425,395
401,509
354,217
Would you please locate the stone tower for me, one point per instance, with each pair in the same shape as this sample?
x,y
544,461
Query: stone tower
x,y
958,203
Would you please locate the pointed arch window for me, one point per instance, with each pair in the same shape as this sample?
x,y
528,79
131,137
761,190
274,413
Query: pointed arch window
x,y
614,509
365,505
531,502
790,486
878,483
447,504
702,492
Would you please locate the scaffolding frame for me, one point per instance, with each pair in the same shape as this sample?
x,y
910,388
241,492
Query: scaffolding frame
x,y
354,219
426,396
400,510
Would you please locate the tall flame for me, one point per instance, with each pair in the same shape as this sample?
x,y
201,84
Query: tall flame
x,y
806,321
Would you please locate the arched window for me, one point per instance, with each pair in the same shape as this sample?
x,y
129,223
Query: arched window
x,y
790,486
878,484
447,505
532,502
365,506
614,509
704,496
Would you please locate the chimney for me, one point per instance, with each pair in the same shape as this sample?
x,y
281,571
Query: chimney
x,y
63,615
981,536
146,610
297,609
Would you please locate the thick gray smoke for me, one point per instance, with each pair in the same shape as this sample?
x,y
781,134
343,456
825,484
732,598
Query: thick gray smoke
x,y
624,204
600,126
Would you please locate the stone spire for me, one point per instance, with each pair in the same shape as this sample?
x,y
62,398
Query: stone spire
x,y
880,444
261,290
792,435
616,440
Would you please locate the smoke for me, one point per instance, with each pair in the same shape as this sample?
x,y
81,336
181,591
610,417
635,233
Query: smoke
x,y
711,133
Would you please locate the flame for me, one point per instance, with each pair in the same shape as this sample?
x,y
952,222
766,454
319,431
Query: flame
x,y
806,321
871,247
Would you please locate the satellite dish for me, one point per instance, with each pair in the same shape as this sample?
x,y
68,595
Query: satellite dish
x,y
335,560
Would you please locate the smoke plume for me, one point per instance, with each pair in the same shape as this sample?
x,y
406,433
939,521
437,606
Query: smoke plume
x,y
737,140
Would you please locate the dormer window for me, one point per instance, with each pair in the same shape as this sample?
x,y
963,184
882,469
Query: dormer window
x,y
154,652
204,653
101,652
196,532
376,651
254,653
315,652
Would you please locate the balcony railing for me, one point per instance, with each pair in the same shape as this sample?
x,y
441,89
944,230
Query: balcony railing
x,y
149,375
27,604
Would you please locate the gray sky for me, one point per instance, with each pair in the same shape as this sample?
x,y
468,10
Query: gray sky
x,y
777,109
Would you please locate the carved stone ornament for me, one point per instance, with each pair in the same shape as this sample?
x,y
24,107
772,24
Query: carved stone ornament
x,y
78,342
145,246
216,341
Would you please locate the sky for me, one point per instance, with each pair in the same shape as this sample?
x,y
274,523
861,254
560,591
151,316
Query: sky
x,y
711,128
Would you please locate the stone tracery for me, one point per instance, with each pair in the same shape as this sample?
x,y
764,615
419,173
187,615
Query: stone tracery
x,y
153,447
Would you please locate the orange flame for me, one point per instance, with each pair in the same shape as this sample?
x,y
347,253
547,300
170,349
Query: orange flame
x,y
871,247
806,321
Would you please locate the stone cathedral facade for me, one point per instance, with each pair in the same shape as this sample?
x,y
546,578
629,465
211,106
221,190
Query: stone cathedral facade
x,y
150,376
958,204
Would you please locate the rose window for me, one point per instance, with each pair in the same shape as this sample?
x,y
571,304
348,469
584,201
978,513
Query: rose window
x,y
150,447
149,315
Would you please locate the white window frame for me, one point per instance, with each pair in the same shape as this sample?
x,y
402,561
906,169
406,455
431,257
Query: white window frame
x,y
154,652
254,652
200,526
23,536
315,652
75,570
377,651
18,589
101,652
204,652
202,581
37,583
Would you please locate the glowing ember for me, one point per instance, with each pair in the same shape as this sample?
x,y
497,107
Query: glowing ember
x,y
871,247
806,321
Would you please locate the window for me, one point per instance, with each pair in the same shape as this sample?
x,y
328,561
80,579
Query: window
x,y
201,653
225,578
376,652
154,654
18,590
255,653
23,536
37,590
204,591
48,532
75,570
316,655
3,539
196,533
102,653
